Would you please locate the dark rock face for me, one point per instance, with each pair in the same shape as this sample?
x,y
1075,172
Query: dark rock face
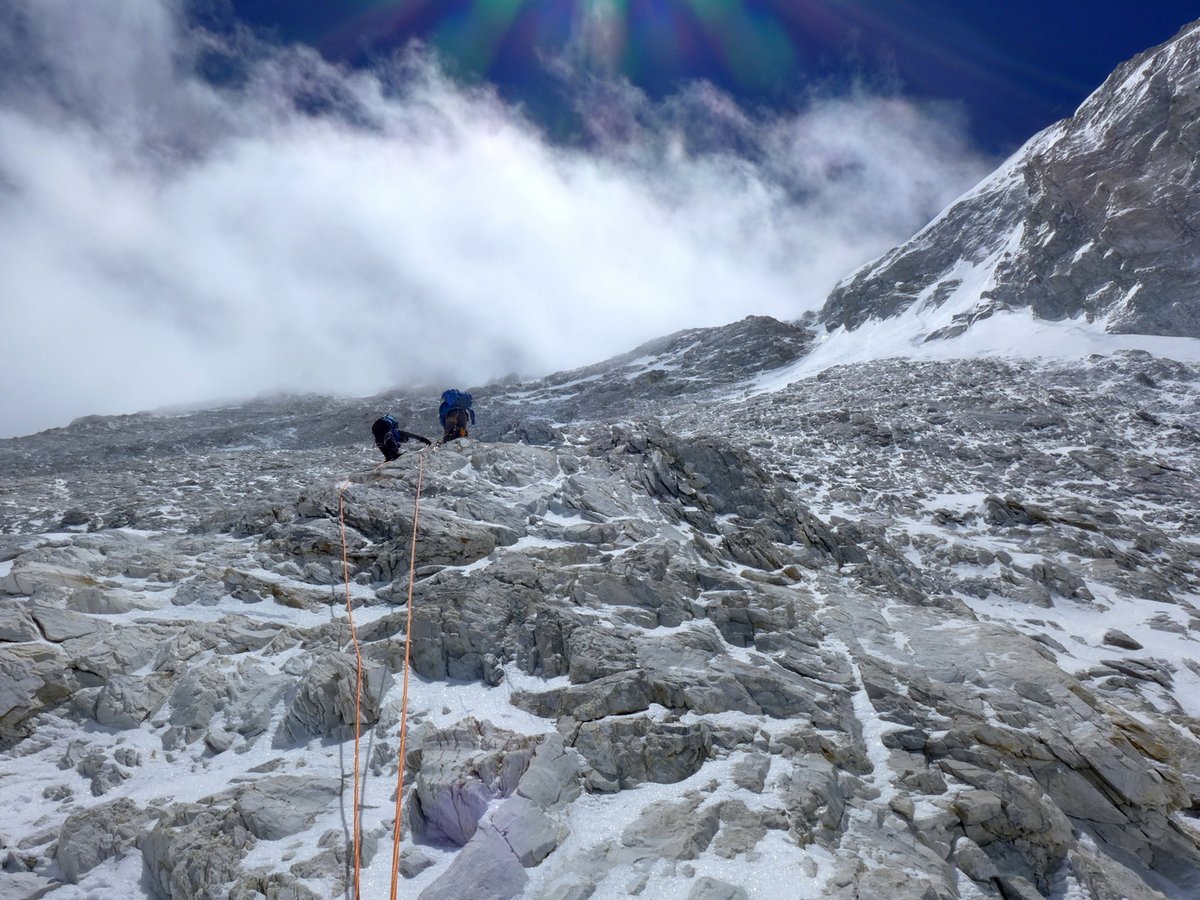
x,y
1098,216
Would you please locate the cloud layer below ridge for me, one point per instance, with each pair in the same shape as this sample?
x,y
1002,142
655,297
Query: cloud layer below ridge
x,y
186,217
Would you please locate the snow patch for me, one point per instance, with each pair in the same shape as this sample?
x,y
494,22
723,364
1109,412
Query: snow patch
x,y
1012,334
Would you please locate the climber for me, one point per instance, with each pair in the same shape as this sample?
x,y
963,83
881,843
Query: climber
x,y
389,437
454,414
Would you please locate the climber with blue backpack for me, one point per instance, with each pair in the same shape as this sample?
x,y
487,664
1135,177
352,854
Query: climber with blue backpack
x,y
455,413
389,437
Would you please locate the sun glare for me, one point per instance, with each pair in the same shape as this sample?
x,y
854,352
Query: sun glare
x,y
748,43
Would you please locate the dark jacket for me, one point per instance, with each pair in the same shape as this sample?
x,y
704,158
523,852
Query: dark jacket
x,y
389,437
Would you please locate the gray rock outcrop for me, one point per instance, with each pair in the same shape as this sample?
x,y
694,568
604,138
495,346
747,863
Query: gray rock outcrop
x,y
93,835
325,701
929,635
195,850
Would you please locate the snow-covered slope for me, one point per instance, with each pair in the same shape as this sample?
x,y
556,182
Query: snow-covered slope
x,y
904,629
1095,219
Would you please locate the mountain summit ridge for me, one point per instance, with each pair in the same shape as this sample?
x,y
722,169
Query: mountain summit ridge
x,y
1097,217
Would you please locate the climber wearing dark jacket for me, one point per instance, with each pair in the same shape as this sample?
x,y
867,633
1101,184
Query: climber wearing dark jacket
x,y
389,437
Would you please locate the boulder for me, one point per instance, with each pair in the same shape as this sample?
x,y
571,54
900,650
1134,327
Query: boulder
x,y
626,752
814,799
31,573
59,625
673,830
709,888
324,704
485,869
553,778
282,805
104,770
442,539
273,886
195,849
464,625
100,601
197,696
18,885
31,679
742,828
529,832
16,624
461,770
120,651
90,836
973,862
750,772
125,701
976,807
254,693
1114,637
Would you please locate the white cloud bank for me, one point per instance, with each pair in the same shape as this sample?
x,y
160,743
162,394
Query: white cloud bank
x,y
164,241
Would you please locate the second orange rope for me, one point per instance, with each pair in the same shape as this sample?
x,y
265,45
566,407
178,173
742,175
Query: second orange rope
x,y
358,682
356,852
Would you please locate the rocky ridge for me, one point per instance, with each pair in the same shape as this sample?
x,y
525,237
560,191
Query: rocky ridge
x,y
1098,217
906,629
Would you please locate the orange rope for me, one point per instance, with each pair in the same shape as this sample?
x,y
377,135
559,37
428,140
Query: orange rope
x,y
412,562
358,683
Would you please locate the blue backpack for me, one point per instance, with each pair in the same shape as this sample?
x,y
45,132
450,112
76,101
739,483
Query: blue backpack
x,y
453,399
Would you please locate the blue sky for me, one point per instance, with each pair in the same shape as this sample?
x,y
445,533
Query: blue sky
x,y
1015,66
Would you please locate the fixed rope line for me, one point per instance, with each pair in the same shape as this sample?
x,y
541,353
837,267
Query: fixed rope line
x,y
358,680
412,563
358,684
